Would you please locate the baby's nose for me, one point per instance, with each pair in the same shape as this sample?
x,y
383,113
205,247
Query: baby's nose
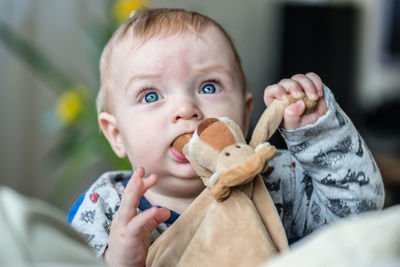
x,y
186,110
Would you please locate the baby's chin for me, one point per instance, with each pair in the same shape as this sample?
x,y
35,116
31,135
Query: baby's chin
x,y
185,171
189,184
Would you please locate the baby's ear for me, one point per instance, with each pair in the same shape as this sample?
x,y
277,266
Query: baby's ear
x,y
109,127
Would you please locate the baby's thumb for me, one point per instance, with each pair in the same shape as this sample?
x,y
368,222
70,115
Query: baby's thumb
x,y
162,215
152,217
292,115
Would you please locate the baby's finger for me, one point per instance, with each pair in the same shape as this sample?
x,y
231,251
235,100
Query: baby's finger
x,y
272,92
149,182
292,115
317,82
307,85
131,197
149,219
293,87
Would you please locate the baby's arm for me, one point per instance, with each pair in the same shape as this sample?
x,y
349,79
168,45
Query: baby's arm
x,y
130,232
326,173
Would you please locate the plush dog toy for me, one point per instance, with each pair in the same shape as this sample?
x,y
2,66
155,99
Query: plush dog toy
x,y
233,222
218,148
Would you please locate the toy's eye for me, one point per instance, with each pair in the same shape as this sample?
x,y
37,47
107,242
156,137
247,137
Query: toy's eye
x,y
209,88
151,97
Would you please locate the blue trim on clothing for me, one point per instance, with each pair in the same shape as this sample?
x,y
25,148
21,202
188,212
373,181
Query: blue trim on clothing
x,y
144,204
74,209
126,180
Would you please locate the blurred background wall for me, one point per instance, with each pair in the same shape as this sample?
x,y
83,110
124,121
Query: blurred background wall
x,y
49,50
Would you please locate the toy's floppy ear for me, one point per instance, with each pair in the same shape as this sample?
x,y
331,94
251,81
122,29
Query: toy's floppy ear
x,y
215,134
200,170
268,123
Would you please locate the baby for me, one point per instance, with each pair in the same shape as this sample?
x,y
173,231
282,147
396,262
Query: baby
x,y
162,73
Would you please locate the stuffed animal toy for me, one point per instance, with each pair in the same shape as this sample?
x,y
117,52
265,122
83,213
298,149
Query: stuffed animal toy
x,y
233,222
218,149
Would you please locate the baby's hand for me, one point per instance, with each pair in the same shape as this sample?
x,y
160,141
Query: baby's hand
x,y
130,232
299,85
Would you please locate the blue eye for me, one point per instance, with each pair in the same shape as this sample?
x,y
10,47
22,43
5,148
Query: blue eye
x,y
209,88
151,97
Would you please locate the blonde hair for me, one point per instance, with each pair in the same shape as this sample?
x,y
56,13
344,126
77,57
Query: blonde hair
x,y
144,25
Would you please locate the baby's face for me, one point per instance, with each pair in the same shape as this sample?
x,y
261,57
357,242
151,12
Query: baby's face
x,y
166,88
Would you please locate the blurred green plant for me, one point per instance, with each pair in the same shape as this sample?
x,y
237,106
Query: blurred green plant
x,y
74,117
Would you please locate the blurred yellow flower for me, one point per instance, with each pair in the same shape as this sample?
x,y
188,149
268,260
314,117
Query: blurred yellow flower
x,y
70,104
123,8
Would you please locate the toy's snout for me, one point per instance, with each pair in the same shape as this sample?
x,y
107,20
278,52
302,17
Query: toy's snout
x,y
233,156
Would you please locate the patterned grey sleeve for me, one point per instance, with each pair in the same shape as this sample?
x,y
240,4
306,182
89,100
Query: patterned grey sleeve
x,y
93,217
327,173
